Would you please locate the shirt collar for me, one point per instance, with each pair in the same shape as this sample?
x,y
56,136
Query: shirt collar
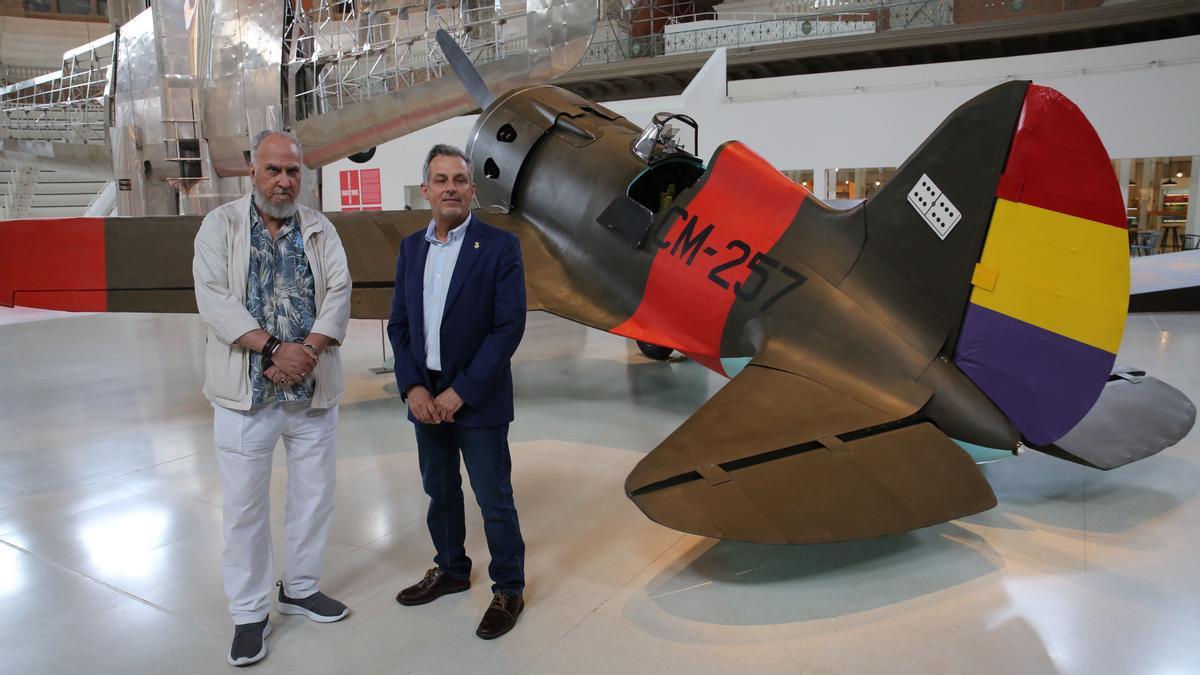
x,y
455,235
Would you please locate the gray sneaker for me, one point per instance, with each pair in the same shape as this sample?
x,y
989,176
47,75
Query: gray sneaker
x,y
318,606
249,643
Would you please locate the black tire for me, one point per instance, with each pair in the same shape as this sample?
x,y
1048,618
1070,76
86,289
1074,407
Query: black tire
x,y
653,351
362,157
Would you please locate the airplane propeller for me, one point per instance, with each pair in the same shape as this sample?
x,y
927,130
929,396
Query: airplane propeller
x,y
460,63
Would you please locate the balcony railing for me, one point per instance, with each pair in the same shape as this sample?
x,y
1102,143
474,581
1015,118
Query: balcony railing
x,y
658,32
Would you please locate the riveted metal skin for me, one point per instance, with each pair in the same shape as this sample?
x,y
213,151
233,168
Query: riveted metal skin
x,y
507,131
567,158
558,33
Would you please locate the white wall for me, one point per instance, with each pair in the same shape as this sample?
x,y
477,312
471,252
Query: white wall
x,y
1143,99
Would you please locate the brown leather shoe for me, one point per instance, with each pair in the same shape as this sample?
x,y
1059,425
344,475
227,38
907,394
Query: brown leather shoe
x,y
435,584
501,616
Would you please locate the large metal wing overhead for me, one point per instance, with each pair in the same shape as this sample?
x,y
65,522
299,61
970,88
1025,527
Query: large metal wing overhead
x,y
557,34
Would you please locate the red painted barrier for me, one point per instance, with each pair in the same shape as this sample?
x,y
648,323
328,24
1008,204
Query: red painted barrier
x,y
53,263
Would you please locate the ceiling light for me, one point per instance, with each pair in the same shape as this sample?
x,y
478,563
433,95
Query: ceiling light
x,y
876,183
1179,174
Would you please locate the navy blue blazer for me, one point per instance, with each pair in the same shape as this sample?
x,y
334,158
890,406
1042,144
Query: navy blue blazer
x,y
482,323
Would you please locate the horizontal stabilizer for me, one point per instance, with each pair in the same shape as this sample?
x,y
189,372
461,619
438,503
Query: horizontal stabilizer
x,y
777,458
1135,417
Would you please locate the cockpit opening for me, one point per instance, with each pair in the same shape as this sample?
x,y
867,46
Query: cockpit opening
x,y
670,168
659,185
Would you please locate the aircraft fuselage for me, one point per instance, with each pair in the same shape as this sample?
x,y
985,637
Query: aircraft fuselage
x,y
726,263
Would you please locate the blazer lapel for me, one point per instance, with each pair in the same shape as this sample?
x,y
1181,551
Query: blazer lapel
x,y
467,255
418,271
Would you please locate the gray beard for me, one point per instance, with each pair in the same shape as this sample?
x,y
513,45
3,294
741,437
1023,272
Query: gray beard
x,y
271,209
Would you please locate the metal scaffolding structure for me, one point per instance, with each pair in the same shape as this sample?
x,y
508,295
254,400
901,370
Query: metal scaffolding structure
x,y
68,106
338,53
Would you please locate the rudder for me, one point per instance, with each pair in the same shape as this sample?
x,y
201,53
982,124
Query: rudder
x,y
1050,292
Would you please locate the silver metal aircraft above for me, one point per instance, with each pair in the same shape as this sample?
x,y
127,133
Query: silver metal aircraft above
x,y
167,106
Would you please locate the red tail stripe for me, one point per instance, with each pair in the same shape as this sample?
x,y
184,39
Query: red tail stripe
x,y
1058,162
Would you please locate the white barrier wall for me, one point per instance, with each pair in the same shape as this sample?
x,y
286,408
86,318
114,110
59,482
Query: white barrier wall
x,y
1144,100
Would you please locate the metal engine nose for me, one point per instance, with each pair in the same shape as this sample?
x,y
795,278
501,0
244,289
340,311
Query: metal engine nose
x,y
508,130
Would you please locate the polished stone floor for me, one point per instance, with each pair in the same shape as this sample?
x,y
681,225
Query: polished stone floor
x,y
110,533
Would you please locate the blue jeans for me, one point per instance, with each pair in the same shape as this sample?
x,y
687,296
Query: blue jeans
x,y
485,452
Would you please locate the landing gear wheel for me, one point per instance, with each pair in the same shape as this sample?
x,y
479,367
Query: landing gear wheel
x,y
653,351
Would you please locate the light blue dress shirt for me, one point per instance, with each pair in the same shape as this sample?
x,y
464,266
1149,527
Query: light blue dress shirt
x,y
439,269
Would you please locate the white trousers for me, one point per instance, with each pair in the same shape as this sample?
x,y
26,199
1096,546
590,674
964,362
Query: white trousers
x,y
245,441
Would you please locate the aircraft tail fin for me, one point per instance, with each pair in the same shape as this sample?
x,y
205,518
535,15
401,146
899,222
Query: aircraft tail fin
x,y
977,248
924,230
1050,292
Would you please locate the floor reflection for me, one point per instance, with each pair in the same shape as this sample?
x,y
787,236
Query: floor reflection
x,y
110,527
119,544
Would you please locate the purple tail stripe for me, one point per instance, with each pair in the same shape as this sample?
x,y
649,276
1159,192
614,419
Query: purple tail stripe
x,y
1043,381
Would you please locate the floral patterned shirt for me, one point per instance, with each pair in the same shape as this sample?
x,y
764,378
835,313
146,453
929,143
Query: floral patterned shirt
x,y
281,295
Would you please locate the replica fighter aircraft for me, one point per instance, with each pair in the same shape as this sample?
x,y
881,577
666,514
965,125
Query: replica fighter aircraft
x,y
974,301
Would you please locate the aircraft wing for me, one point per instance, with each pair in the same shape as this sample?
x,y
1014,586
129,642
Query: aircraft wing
x,y
144,264
775,457
372,241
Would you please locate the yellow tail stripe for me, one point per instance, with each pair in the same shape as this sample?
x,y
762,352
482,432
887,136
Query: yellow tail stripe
x,y
1065,274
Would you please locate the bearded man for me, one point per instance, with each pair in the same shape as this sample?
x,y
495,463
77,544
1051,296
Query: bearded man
x,y
273,289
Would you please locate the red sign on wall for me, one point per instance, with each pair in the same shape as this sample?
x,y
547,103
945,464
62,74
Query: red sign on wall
x,y
361,190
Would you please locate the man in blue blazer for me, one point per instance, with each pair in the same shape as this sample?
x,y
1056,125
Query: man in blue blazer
x,y
458,313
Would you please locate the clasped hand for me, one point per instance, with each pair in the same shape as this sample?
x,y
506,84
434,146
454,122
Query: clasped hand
x,y
290,364
430,410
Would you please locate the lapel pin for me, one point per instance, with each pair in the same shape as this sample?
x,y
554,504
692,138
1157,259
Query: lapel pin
x,y
476,246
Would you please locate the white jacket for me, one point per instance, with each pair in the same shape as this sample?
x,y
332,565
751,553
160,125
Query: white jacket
x,y
220,268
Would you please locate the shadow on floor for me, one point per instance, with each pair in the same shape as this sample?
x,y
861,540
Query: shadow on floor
x,y
749,584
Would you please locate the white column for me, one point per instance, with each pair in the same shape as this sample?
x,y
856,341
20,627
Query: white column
x,y
1193,195
1146,191
818,186
1124,170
